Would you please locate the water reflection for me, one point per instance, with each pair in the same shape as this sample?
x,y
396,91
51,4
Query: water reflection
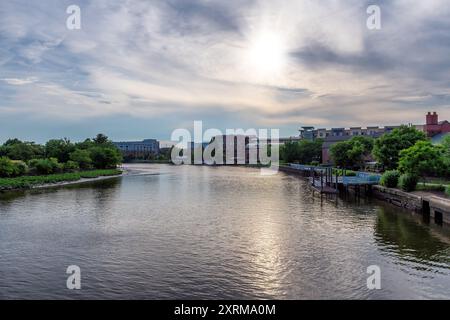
x,y
400,233
213,232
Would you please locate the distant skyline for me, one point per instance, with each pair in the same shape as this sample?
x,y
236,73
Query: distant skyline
x,y
140,69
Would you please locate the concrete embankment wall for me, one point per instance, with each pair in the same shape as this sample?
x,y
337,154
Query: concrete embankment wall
x,y
434,207
290,170
398,198
439,208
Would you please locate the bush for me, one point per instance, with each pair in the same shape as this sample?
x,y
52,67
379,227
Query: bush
x,y
348,173
7,168
20,168
390,179
408,182
447,190
71,166
430,187
45,166
315,163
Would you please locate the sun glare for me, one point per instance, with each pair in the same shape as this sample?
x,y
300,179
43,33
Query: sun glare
x,y
267,55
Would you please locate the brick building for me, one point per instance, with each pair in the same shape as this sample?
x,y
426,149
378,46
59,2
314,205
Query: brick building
x,y
434,127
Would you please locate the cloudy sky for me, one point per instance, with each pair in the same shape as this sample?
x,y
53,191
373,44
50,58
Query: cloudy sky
x,y
140,69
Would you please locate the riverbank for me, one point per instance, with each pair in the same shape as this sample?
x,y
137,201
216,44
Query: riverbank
x,y
149,161
55,180
429,203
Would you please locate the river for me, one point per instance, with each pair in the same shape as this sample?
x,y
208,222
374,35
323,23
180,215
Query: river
x,y
181,232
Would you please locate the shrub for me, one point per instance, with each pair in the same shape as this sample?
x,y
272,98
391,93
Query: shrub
x,y
430,187
7,168
71,166
20,168
315,163
348,173
45,166
390,179
447,190
408,182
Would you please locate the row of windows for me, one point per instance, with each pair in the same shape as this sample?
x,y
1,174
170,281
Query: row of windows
x,y
138,148
341,134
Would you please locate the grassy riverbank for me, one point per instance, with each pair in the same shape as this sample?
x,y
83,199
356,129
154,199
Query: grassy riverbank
x,y
27,182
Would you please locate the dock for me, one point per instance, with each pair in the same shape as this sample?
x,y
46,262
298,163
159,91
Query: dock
x,y
326,180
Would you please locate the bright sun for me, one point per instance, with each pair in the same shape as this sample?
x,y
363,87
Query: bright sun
x,y
267,55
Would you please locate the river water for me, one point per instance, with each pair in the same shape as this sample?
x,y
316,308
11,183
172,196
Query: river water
x,y
213,232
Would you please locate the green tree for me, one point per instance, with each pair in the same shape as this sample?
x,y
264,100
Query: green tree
x,y
86,144
105,157
101,139
422,159
289,151
59,149
82,158
351,153
310,151
387,148
303,151
17,150
446,144
446,147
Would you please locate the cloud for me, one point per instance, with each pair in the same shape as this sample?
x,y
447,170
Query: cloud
x,y
19,82
187,58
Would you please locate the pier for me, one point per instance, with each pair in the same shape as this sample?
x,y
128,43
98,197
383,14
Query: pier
x,y
327,180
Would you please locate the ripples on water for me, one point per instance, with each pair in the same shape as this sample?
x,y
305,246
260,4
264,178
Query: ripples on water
x,y
213,232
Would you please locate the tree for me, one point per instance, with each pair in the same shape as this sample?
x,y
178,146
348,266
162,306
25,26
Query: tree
x,y
59,149
422,159
289,151
446,144
105,157
17,150
86,144
101,139
387,148
310,151
351,153
82,158
303,152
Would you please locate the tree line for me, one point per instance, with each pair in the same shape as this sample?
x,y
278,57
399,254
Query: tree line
x,y
18,158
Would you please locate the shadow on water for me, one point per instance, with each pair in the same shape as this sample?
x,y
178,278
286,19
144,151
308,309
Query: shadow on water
x,y
99,186
408,236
